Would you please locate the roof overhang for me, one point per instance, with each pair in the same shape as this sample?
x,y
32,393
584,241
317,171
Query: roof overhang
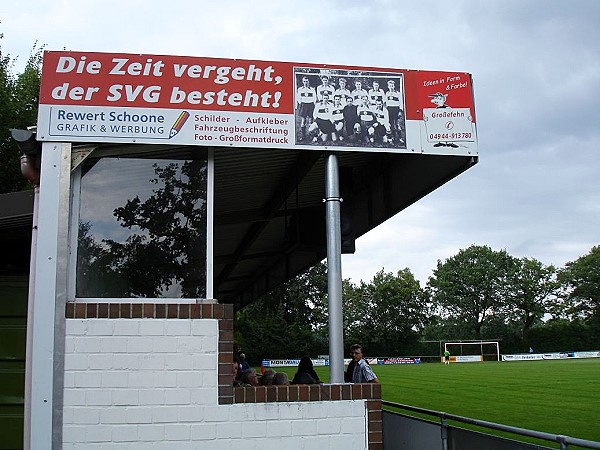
x,y
269,211
259,193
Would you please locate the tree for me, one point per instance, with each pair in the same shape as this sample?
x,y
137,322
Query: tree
x,y
529,297
471,287
561,335
581,280
19,100
290,321
385,314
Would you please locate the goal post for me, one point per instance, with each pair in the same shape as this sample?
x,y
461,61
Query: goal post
x,y
463,351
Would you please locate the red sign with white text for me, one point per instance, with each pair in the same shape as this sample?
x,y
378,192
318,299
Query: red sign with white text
x,y
106,97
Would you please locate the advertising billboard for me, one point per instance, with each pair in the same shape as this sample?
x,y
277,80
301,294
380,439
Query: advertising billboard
x,y
179,100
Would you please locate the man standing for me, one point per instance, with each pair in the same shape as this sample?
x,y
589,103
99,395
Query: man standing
x,y
351,120
323,123
305,98
367,118
358,93
325,87
342,91
446,357
376,93
362,371
337,116
393,102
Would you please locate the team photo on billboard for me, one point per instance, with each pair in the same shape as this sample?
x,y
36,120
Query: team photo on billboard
x,y
349,108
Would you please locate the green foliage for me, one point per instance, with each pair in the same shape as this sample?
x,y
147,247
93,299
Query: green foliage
x,y
581,279
386,314
288,322
530,296
486,294
471,287
19,100
564,335
477,294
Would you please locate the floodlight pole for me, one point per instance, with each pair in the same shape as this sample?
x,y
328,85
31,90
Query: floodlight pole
x,y
334,269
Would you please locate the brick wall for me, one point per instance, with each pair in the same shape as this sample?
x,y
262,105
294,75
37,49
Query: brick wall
x,y
158,376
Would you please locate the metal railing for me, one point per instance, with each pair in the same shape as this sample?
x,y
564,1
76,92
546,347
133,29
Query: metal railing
x,y
564,441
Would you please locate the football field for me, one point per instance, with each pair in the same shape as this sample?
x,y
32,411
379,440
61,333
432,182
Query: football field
x,y
555,396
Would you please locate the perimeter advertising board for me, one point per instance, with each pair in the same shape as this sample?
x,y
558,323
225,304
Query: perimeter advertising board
x,y
556,355
157,99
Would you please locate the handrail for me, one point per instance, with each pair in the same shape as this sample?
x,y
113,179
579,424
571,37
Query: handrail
x,y
564,441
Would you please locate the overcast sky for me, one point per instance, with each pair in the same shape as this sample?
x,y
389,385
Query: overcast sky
x,y
536,72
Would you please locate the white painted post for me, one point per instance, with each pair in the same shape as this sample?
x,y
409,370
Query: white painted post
x,y
54,174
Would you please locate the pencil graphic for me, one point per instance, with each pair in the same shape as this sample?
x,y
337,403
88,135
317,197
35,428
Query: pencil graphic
x,y
178,125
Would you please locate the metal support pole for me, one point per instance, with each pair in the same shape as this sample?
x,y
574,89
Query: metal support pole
x,y
334,269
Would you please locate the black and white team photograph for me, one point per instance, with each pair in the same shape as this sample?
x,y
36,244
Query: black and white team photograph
x,y
349,109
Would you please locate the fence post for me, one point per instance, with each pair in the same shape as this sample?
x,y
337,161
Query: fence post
x,y
563,442
444,429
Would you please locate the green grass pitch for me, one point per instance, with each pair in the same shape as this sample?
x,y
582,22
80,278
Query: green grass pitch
x,y
554,396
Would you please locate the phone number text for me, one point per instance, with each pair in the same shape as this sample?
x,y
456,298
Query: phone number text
x,y
437,136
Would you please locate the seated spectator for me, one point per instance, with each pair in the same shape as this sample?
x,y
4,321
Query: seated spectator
x,y
238,381
280,378
249,377
267,378
306,373
243,363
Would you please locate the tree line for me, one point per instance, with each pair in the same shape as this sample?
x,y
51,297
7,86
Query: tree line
x,y
477,294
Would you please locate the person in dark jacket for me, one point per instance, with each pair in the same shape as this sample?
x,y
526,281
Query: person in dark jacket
x,y
349,372
306,373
